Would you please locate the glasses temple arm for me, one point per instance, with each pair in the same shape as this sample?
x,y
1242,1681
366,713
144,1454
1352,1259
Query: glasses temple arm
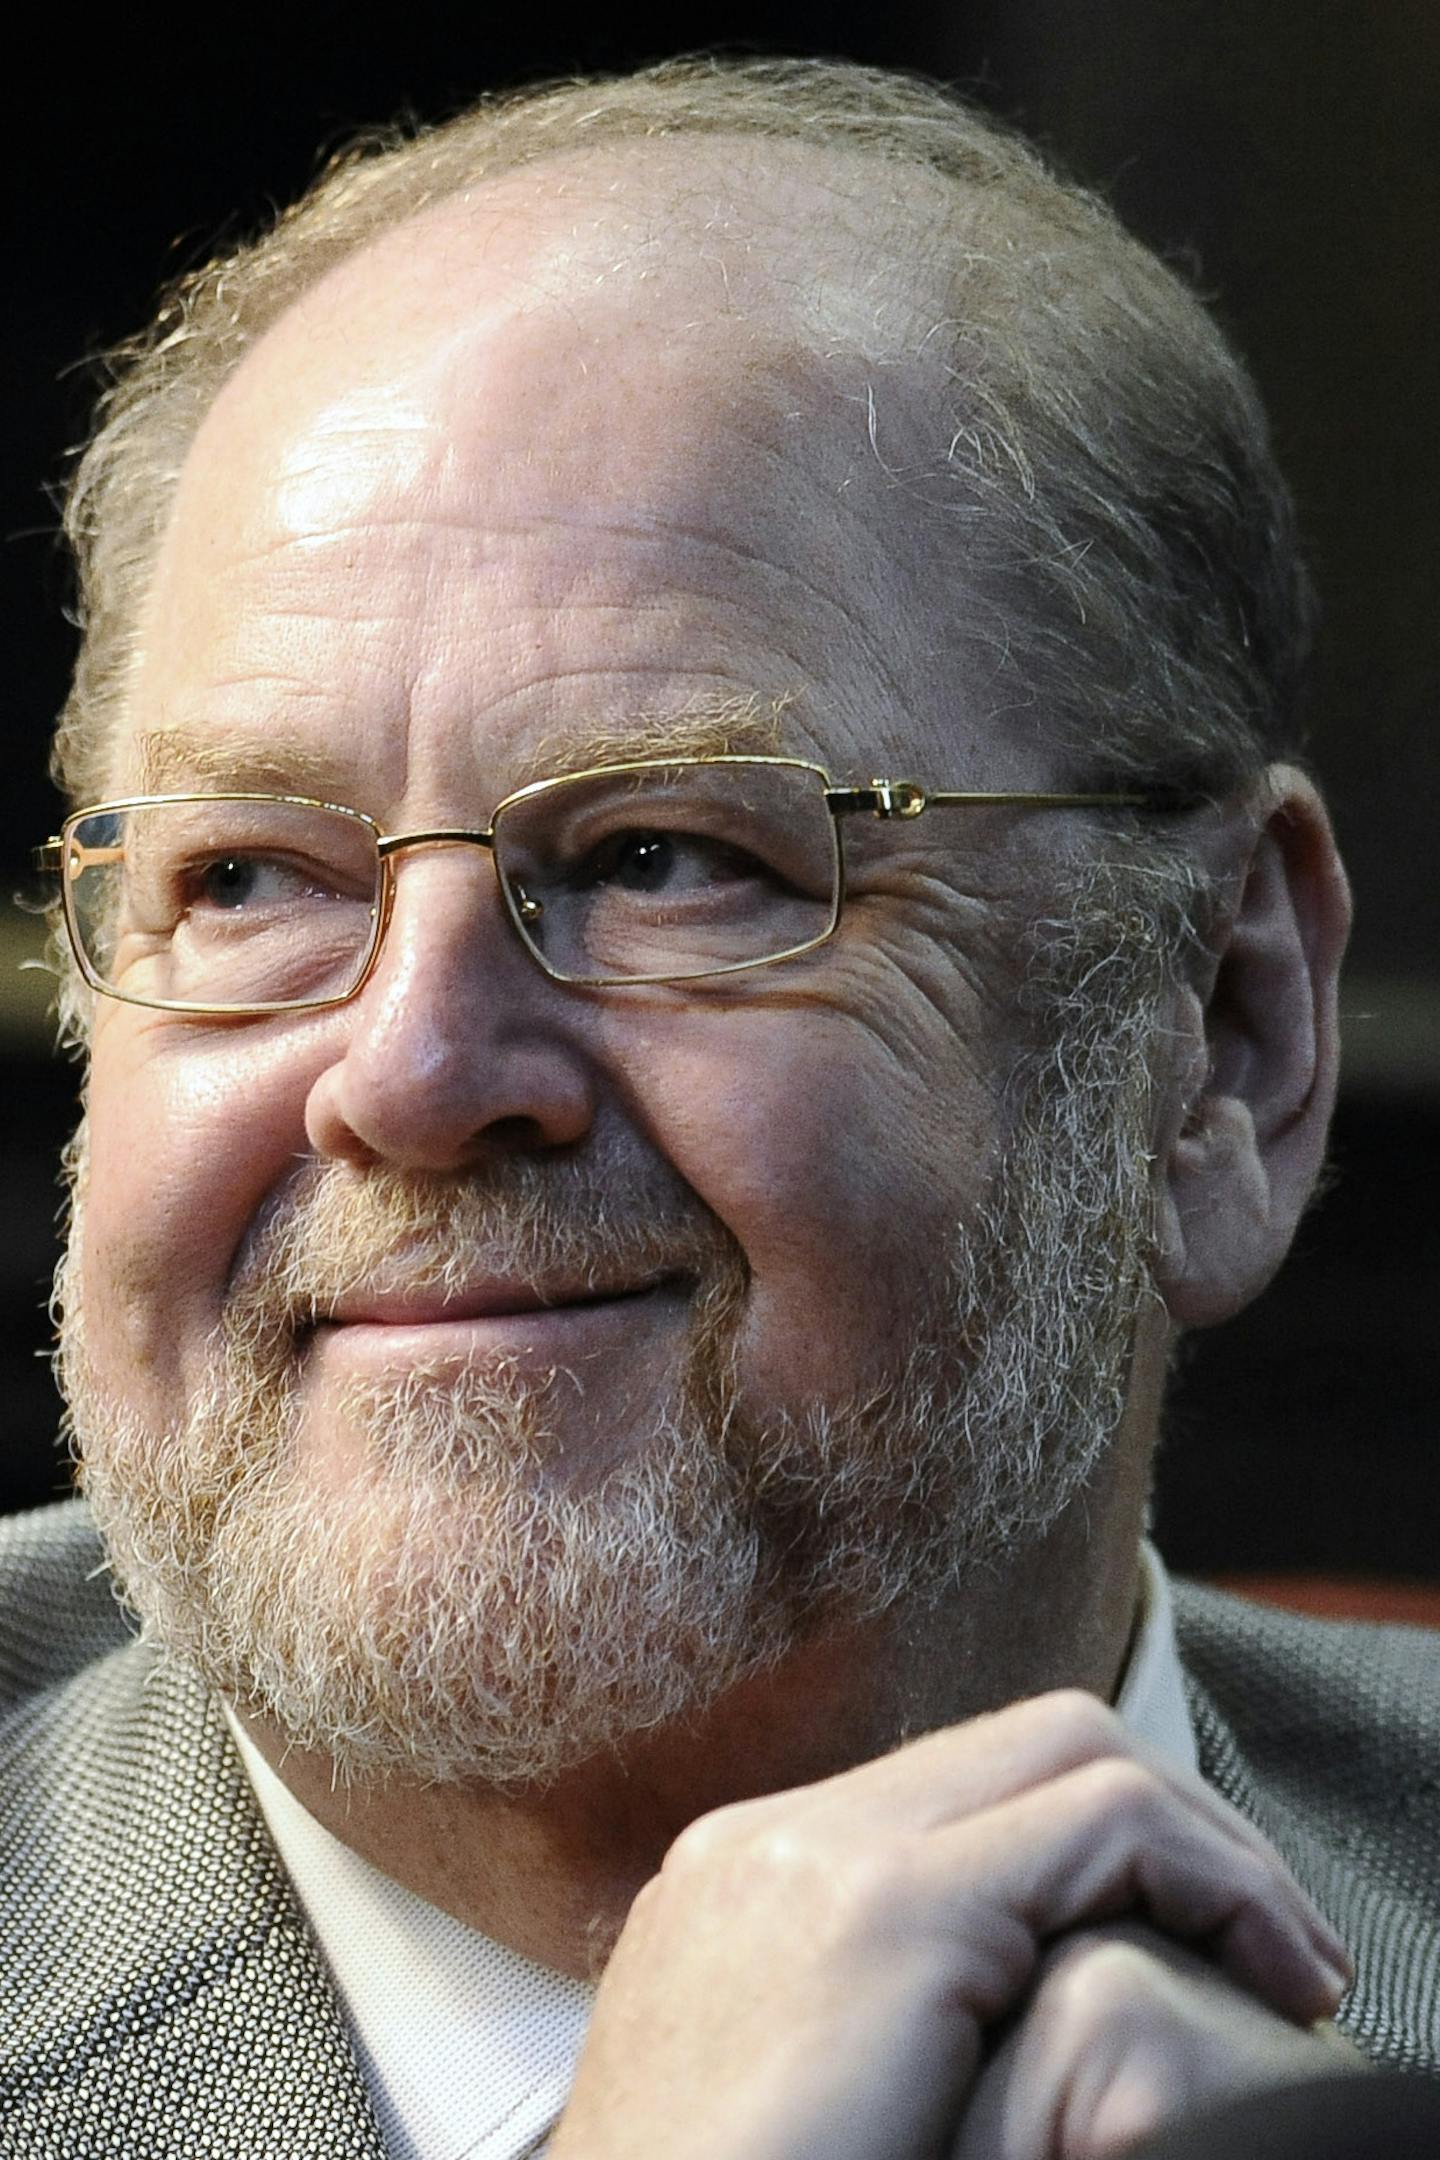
x,y
905,799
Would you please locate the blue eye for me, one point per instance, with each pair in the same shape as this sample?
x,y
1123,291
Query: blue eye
x,y
228,883
245,882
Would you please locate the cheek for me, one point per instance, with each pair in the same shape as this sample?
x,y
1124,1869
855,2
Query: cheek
x,y
187,1134
841,1166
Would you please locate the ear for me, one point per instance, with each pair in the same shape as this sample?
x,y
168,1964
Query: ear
x,y
1244,1137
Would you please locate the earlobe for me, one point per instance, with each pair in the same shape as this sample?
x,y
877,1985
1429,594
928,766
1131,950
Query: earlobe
x,y
1255,1078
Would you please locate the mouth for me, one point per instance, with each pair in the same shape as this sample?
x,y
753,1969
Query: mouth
x,y
480,1302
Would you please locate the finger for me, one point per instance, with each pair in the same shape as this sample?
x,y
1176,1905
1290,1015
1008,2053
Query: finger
x,y
1112,1838
963,1768
959,1772
1188,1785
1124,2029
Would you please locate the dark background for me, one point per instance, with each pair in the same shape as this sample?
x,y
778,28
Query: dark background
x,y
1282,154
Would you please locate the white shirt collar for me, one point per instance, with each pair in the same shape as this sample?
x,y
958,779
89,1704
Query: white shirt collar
x,y
1151,1700
468,2049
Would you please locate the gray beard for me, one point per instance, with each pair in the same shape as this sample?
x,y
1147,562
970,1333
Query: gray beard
x,y
455,1614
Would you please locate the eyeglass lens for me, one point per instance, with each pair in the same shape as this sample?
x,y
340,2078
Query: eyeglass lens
x,y
223,902
670,870
628,875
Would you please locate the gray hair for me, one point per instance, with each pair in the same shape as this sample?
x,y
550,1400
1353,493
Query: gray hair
x,y
1129,532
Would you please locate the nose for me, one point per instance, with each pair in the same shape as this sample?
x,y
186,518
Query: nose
x,y
457,1044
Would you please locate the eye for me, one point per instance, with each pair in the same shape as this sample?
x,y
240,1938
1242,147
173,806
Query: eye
x,y
641,861
234,881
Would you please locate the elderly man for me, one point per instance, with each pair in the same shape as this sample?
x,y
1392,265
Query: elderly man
x,y
696,945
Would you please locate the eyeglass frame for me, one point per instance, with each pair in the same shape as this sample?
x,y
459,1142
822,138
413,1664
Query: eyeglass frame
x,y
881,798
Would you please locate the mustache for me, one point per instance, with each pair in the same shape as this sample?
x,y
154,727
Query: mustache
x,y
573,1226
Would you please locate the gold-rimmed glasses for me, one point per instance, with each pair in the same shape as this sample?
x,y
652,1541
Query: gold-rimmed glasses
x,y
650,871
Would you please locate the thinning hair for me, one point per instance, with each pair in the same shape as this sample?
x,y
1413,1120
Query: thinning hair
x,y
1128,543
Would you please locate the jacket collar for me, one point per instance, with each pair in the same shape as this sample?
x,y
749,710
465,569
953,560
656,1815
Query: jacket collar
x,y
162,1990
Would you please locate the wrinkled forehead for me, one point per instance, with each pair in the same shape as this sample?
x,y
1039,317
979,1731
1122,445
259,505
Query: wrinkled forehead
x,y
718,275
636,343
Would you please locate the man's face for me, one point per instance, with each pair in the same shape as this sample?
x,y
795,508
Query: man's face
x,y
436,537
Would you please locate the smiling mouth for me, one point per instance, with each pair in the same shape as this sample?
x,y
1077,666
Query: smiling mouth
x,y
488,1301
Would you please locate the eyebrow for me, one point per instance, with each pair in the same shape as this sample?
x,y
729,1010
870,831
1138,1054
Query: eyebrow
x,y
742,726
174,759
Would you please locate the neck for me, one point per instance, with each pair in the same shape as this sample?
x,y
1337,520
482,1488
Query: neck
x,y
552,1873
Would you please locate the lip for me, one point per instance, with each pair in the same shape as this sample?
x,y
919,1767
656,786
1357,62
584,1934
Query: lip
x,y
479,1302
509,1322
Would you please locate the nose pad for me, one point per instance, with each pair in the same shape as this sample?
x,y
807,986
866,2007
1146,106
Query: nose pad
x,y
456,1041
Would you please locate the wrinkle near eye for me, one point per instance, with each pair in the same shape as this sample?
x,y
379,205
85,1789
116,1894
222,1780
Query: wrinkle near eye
x,y
924,954
911,990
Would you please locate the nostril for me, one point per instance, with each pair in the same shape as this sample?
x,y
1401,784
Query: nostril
x,y
516,1136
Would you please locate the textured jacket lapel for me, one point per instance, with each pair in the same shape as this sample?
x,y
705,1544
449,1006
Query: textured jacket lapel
x,y
162,1995
1327,1736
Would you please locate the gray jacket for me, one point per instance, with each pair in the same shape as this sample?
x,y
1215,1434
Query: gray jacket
x,y
161,1995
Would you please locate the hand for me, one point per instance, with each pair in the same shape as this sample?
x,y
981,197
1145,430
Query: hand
x,y
813,1973
1125,2032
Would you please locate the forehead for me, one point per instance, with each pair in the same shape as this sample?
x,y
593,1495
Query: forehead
x,y
830,249
701,278
587,395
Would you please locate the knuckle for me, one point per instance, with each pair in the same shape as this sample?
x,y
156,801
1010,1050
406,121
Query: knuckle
x,y
1081,1724
1122,1786
847,1892
1130,1787
872,1887
1101,1983
757,1841
710,1841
